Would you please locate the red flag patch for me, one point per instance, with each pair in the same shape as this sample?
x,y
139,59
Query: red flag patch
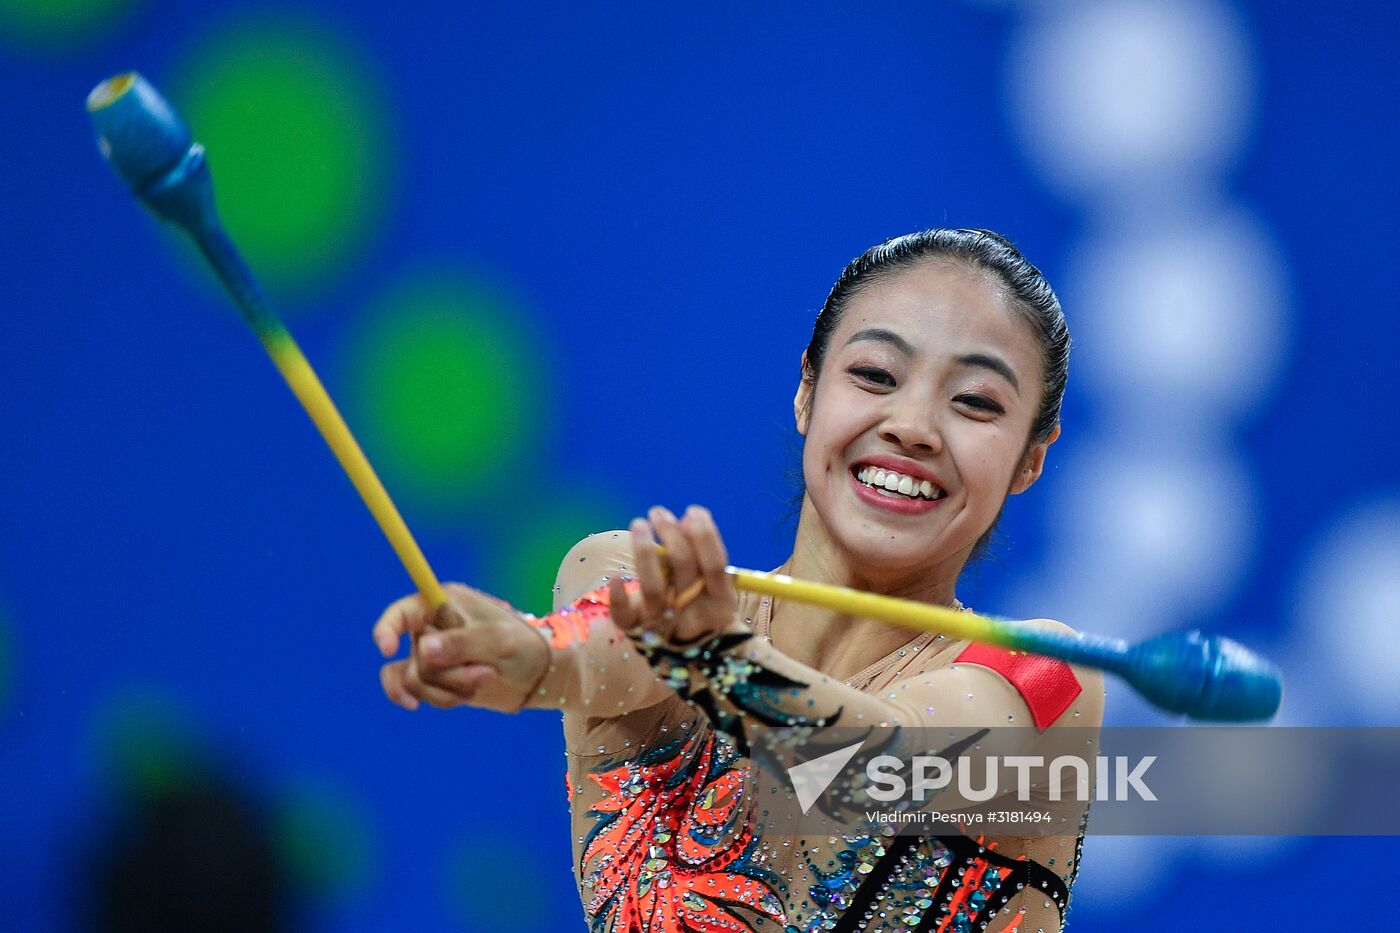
x,y
1048,686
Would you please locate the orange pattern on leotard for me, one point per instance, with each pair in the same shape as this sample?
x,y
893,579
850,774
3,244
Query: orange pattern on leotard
x,y
673,848
571,624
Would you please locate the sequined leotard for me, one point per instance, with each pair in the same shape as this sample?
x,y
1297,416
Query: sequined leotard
x,y
662,838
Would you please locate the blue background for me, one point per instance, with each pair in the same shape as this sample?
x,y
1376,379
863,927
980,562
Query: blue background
x,y
669,194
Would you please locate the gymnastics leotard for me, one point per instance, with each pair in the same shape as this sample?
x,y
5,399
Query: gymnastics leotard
x,y
663,830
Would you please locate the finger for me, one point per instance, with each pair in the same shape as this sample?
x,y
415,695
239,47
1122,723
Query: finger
x,y
428,692
391,678
403,615
649,570
464,681
620,604
710,554
679,553
441,650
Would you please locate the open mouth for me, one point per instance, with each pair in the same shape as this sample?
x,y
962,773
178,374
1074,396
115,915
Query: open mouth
x,y
897,485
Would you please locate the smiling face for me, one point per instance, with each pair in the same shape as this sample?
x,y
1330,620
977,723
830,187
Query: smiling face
x,y
919,426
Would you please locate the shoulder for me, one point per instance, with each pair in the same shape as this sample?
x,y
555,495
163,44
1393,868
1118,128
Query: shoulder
x,y
590,560
598,545
1053,690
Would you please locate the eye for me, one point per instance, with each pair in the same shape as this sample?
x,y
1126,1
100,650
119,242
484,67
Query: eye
x,y
981,403
872,374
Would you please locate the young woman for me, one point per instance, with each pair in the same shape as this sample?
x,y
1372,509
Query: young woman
x,y
930,392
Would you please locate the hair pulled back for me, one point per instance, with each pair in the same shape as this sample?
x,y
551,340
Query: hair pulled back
x,y
1026,288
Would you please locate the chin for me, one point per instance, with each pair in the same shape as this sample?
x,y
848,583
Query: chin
x,y
875,551
886,550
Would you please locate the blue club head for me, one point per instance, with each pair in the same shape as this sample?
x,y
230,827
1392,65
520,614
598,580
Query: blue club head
x,y
151,148
1208,678
1240,685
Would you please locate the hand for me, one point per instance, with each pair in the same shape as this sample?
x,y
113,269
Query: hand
x,y
475,650
703,603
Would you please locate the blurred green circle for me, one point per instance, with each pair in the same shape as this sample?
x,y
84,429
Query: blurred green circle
x,y
448,383
57,24
297,140
323,842
497,884
528,564
149,742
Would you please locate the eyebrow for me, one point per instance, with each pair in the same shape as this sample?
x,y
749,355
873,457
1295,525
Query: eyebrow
x,y
884,336
995,364
982,360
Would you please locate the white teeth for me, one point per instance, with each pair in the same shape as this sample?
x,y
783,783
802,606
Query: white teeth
x,y
898,483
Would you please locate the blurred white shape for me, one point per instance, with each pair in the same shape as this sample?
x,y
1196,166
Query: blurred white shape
x,y
1185,323
1349,605
1114,93
1120,874
1155,526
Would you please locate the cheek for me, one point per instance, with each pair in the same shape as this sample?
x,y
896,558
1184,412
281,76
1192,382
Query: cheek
x,y
820,454
826,447
991,466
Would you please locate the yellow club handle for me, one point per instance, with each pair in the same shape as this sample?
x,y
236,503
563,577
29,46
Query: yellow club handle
x,y
302,379
924,617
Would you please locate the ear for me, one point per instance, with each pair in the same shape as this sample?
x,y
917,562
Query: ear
x,y
802,401
1033,464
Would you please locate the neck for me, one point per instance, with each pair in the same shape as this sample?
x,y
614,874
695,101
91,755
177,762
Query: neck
x,y
839,644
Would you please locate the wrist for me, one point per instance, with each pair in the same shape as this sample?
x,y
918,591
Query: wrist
x,y
542,692
562,633
709,657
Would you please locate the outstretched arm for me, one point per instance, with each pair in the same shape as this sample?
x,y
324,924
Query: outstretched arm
x,y
479,651
612,647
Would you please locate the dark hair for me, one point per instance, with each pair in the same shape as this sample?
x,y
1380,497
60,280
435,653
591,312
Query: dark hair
x,y
1027,291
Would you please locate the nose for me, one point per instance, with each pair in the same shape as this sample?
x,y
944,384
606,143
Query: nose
x,y
914,427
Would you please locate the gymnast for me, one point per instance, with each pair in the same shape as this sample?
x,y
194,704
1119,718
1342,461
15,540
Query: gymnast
x,y
929,393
